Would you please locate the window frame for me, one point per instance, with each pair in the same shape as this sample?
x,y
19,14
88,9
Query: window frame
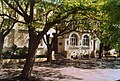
x,y
74,40
86,41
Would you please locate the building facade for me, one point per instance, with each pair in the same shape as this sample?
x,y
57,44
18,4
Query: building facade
x,y
75,43
78,43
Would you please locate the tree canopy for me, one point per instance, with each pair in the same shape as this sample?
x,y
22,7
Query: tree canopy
x,y
111,9
6,24
42,14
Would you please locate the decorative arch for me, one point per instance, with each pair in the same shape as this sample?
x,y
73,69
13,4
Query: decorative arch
x,y
74,39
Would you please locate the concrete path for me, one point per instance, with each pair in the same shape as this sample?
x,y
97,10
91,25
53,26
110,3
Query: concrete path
x,y
91,74
77,74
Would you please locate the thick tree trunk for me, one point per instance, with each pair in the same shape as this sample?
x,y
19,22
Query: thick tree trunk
x,y
26,72
49,54
101,50
33,45
1,43
52,47
49,42
55,46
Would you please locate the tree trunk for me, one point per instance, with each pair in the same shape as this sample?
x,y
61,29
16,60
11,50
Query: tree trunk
x,y
33,45
26,72
101,50
34,40
49,54
55,45
119,53
107,48
1,43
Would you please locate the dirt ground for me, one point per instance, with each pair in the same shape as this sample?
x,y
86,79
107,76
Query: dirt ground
x,y
66,70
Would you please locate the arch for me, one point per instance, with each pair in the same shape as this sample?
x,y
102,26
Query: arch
x,y
74,40
85,40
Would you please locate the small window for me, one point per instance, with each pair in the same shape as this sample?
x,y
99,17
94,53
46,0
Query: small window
x,y
74,40
86,40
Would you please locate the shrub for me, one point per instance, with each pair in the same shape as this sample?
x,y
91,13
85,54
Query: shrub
x,y
7,55
16,53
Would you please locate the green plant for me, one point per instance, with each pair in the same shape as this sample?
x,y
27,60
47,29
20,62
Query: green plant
x,y
7,55
15,52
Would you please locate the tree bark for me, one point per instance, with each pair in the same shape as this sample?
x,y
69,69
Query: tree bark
x,y
49,47
26,72
33,45
1,43
119,53
101,50
49,54
55,46
34,36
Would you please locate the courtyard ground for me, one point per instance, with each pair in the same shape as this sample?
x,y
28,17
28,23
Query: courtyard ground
x,y
67,70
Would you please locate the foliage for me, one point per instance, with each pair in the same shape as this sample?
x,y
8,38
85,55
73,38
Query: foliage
x,y
6,23
6,55
41,15
16,52
111,9
103,19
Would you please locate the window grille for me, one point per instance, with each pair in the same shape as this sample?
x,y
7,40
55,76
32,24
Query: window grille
x,y
74,40
86,40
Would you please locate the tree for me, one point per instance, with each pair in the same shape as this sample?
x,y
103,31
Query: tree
x,y
106,24
73,23
51,42
6,24
111,9
96,21
48,14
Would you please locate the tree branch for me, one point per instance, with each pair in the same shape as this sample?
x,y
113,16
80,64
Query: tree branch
x,y
20,7
2,24
27,6
32,2
12,7
44,41
9,29
12,18
57,20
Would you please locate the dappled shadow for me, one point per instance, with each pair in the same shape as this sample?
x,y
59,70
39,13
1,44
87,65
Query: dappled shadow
x,y
20,79
46,71
83,64
46,74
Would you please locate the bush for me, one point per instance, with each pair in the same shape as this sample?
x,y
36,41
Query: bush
x,y
16,53
7,55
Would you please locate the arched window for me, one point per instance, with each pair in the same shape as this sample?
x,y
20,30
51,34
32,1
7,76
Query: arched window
x,y
74,40
86,40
